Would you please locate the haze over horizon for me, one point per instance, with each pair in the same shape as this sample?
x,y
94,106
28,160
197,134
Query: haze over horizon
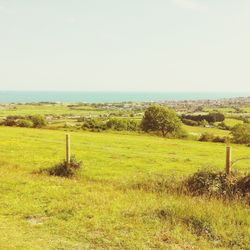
x,y
114,45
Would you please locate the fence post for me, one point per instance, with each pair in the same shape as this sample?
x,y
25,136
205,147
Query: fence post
x,y
67,148
228,159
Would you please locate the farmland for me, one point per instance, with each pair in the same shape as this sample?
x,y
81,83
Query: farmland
x,y
126,194
101,207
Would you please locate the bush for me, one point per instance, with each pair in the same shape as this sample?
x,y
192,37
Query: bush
x,y
211,183
190,122
9,122
122,124
206,137
25,123
38,121
219,139
243,185
223,126
117,124
65,170
218,184
94,124
241,133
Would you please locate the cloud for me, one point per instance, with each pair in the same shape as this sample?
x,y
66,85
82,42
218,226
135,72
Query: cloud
x,y
190,4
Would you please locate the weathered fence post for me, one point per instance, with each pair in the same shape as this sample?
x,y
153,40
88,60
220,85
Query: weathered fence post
x,y
67,148
228,159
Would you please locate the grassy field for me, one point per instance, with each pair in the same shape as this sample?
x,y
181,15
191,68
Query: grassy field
x,y
46,109
232,122
103,208
197,131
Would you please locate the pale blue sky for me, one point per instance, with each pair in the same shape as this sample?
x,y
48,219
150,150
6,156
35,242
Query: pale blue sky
x,y
154,45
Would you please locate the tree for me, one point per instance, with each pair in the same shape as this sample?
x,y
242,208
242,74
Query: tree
x,y
241,133
161,119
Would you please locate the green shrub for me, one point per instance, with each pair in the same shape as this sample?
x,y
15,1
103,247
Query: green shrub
x,y
11,120
241,133
94,124
122,124
223,126
243,185
65,170
25,123
211,183
38,121
206,137
219,139
117,124
189,122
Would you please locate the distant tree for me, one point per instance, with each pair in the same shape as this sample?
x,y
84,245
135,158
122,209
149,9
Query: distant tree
x,y
161,119
216,117
241,133
38,121
211,117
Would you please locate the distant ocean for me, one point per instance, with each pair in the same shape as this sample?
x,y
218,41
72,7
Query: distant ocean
x,y
77,96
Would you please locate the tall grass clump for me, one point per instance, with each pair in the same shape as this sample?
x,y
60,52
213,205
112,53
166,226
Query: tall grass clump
x,y
218,184
64,169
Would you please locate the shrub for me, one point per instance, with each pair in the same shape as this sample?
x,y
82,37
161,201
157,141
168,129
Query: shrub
x,y
122,124
25,123
219,139
38,121
223,126
206,137
9,122
218,184
243,185
211,183
189,122
94,124
65,170
117,124
241,133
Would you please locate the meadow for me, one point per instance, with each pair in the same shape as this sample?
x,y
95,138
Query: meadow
x,y
46,109
108,205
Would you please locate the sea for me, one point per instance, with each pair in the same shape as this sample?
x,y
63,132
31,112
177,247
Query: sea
x,y
110,96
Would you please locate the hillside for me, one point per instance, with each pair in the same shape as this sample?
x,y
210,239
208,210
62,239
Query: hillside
x,y
108,204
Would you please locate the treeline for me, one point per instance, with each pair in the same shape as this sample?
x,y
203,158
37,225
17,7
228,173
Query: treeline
x,y
118,124
32,121
195,120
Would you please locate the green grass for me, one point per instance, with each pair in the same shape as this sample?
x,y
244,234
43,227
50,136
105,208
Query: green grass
x,y
46,109
197,131
232,122
100,208
222,110
247,109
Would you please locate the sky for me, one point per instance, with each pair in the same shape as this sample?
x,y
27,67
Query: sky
x,y
125,45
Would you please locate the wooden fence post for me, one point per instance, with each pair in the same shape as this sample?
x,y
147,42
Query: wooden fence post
x,y
68,149
228,160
